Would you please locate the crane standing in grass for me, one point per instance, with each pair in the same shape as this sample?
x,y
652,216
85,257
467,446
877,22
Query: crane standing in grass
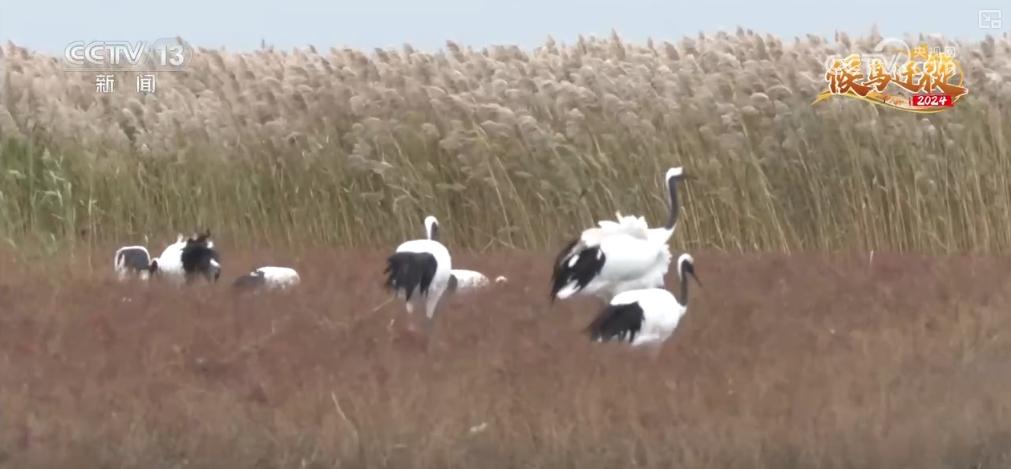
x,y
419,271
617,255
645,317
188,259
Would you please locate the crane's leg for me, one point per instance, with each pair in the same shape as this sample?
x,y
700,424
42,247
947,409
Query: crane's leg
x,y
407,330
410,306
431,303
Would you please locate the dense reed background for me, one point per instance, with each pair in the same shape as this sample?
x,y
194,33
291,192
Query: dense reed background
x,y
782,362
510,147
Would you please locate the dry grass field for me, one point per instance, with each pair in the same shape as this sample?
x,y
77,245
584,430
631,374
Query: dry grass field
x,y
783,361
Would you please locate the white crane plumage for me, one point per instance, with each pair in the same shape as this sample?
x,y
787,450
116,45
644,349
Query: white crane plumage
x,y
419,270
644,316
170,263
188,259
268,277
462,280
279,277
617,255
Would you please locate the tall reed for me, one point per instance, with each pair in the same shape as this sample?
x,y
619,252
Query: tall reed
x,y
509,147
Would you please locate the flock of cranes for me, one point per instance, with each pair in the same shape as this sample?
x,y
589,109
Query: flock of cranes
x,y
193,258
623,262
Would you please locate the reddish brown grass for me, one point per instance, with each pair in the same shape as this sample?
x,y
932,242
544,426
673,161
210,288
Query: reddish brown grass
x,y
782,361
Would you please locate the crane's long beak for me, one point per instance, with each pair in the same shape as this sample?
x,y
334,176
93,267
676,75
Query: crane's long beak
x,y
692,273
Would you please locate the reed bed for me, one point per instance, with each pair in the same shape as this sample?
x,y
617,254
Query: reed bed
x,y
511,148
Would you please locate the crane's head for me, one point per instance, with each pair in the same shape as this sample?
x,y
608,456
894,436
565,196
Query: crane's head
x,y
432,228
686,266
674,173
